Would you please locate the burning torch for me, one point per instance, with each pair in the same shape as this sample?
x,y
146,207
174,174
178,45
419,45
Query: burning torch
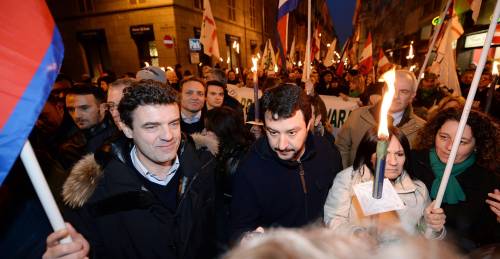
x,y
383,134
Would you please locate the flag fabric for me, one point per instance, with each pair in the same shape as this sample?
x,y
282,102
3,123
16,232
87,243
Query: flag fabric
x,y
284,8
462,6
366,58
496,36
31,54
208,35
268,59
340,67
316,44
444,64
330,55
383,62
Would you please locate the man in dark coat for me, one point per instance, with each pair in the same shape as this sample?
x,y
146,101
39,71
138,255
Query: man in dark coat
x,y
284,179
153,198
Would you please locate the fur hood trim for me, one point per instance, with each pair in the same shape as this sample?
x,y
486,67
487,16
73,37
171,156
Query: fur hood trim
x,y
210,142
81,182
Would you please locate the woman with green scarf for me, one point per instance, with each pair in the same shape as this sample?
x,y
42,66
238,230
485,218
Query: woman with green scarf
x,y
470,220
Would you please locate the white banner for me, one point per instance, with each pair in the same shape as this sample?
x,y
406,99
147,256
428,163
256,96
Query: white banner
x,y
337,109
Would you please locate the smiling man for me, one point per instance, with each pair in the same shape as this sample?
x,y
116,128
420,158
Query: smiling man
x,y
284,180
192,102
153,197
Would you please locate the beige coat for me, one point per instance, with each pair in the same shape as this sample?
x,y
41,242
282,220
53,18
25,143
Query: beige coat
x,y
343,214
360,121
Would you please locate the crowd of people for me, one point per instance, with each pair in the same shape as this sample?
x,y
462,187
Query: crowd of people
x,y
159,164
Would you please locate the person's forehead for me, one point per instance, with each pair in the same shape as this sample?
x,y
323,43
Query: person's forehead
x,y
215,88
80,98
155,112
451,126
403,82
193,85
296,120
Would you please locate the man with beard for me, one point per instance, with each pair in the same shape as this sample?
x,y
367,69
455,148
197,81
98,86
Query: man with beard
x,y
284,179
85,105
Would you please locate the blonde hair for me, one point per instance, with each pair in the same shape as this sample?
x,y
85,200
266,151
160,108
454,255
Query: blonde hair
x,y
323,243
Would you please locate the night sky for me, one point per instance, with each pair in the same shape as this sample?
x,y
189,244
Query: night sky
x,y
341,12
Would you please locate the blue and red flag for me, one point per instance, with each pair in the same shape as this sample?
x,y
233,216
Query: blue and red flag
x,y
284,8
31,51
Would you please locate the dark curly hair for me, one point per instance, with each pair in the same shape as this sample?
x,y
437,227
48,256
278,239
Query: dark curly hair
x,y
284,100
368,146
144,92
484,129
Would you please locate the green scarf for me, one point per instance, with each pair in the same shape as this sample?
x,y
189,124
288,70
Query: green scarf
x,y
454,192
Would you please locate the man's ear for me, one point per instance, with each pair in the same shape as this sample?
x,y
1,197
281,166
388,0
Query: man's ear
x,y
126,130
102,110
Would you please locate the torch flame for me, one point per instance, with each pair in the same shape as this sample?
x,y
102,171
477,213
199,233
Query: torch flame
x,y
254,64
276,68
389,78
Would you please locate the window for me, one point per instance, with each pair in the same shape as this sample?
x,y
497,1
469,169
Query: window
x,y
86,5
144,38
153,54
231,7
198,4
253,19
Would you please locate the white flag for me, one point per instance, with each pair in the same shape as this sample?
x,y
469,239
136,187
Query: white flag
x,y
444,65
268,57
208,35
328,61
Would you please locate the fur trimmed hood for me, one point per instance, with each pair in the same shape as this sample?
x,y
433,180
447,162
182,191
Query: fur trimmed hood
x,y
85,175
209,142
82,181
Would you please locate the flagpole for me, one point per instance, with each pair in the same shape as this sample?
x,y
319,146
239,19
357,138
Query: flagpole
x,y
308,45
42,189
434,37
467,108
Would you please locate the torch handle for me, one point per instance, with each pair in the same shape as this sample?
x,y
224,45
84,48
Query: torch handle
x,y
378,181
256,101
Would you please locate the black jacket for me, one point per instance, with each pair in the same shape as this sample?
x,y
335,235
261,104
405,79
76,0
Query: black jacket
x,y
471,223
269,192
121,218
84,142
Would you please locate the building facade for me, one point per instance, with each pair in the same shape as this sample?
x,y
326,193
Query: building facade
x,y
122,36
395,24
